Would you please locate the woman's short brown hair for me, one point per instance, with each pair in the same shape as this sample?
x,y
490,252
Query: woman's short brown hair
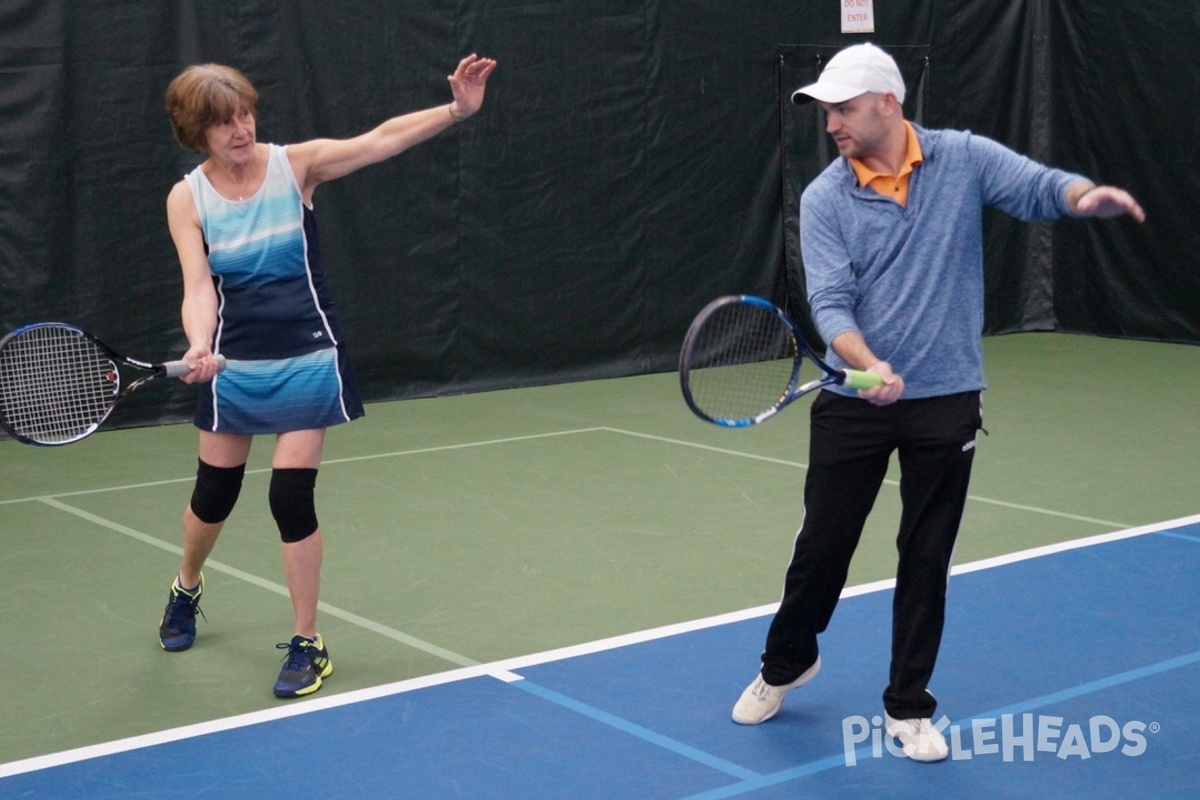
x,y
203,95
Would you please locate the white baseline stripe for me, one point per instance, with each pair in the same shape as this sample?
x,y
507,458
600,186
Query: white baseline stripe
x,y
503,670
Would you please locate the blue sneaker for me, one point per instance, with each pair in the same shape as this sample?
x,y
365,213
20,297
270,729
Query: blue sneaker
x,y
306,663
177,630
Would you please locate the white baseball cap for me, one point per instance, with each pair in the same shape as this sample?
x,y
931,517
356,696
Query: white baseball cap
x,y
858,69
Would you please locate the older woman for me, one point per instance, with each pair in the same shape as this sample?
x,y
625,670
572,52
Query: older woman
x,y
255,293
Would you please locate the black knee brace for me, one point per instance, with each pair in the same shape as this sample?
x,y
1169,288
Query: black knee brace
x,y
216,492
292,505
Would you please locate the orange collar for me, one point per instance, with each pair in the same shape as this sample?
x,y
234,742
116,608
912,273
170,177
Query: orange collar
x,y
893,186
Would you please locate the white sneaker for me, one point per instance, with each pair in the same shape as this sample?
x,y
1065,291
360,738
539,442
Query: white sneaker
x,y
922,741
760,701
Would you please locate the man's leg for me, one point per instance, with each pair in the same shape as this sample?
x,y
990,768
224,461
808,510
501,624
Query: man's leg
x,y
837,500
935,473
848,458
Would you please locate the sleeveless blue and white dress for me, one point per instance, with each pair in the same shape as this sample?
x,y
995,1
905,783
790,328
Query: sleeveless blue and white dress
x,y
276,322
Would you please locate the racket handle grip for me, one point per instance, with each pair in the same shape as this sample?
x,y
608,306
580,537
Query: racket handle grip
x,y
175,369
857,379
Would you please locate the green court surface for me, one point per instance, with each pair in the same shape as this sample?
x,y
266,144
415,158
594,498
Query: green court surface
x,y
469,529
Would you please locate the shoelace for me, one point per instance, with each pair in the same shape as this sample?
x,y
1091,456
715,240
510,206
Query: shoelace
x,y
183,609
764,690
297,657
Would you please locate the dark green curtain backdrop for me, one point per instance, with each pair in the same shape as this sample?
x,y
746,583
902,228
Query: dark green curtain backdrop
x,y
632,161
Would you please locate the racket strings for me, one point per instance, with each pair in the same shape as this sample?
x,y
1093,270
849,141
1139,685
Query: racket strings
x,y
56,385
741,362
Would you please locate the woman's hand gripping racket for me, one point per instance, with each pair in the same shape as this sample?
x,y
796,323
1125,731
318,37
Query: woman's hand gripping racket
x,y
58,383
741,360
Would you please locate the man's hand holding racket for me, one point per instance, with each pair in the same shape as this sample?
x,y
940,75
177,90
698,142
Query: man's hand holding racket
x,y
853,349
741,363
886,393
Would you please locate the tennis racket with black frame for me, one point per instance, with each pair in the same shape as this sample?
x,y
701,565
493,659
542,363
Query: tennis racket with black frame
x,y
741,363
58,383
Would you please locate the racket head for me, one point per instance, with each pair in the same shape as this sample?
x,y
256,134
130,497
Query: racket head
x,y
57,383
740,361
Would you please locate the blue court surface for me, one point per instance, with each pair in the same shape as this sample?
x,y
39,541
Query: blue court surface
x,y
1070,671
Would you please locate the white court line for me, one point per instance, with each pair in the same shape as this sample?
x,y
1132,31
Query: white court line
x,y
553,434
1016,506
214,565
504,670
348,460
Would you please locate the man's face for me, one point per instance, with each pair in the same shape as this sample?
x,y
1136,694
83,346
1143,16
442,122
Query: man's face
x,y
857,125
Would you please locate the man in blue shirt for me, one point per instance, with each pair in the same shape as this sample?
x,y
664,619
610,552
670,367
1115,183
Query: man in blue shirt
x,y
891,236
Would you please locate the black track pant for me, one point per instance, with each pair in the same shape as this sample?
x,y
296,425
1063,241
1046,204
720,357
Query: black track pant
x,y
851,444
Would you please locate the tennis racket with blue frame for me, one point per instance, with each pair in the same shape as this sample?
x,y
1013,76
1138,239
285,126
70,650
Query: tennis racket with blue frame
x,y
741,363
58,383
